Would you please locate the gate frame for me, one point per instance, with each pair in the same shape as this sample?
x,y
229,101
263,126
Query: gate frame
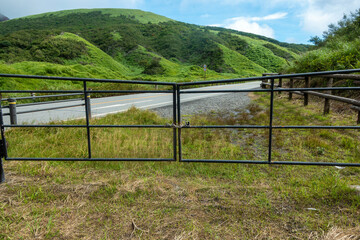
x,y
176,116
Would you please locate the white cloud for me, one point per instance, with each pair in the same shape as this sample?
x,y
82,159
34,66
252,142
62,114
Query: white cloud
x,y
242,24
318,14
252,25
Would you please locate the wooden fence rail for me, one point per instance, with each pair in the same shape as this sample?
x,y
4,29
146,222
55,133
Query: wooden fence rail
x,y
328,95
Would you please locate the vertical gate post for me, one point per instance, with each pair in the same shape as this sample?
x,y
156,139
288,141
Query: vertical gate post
x,y
178,115
306,95
271,121
88,104
3,151
174,121
12,109
327,101
2,174
2,155
291,86
87,116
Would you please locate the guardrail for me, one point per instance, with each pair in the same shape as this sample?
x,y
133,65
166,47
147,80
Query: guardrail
x,y
13,106
176,89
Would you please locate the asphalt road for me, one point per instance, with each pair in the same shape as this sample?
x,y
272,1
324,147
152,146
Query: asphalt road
x,y
109,105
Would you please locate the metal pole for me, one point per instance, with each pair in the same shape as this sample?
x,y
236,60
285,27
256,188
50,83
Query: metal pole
x,y
271,120
88,104
174,122
2,174
179,121
87,119
12,108
3,150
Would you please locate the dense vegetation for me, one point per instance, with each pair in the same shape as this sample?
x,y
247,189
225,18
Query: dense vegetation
x,y
339,48
146,45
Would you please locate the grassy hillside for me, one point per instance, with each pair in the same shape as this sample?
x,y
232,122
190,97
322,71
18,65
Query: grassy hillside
x,y
141,16
131,44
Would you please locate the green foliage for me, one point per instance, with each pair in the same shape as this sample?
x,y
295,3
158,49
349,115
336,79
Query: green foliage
x,y
335,56
279,52
153,67
348,29
119,43
34,45
241,64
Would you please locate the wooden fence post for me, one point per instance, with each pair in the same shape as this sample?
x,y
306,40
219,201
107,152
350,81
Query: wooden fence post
x,y
291,86
327,101
263,82
280,84
306,95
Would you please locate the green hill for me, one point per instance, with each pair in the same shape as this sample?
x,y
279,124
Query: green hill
x,y
141,16
133,44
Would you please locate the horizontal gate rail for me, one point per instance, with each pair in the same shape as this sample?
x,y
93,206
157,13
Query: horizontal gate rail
x,y
176,90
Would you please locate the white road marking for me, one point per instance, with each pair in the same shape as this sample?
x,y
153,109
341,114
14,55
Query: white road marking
x,y
119,105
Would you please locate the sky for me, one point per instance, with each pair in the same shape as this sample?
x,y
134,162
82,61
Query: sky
x,y
293,21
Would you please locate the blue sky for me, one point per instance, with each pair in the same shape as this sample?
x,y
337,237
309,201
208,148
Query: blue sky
x,y
285,20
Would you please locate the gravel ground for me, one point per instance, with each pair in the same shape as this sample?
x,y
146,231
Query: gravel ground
x,y
230,101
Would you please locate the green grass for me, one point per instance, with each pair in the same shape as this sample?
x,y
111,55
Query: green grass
x,y
241,64
185,200
141,16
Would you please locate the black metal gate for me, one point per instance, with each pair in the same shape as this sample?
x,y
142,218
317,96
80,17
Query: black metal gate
x,y
177,90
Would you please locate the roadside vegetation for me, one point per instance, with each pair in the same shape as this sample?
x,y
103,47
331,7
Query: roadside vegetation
x,y
151,200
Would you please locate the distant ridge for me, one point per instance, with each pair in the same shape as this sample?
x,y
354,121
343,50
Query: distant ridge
x,y
141,16
3,18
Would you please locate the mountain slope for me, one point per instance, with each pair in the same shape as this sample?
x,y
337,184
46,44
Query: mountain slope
x,y
137,44
3,18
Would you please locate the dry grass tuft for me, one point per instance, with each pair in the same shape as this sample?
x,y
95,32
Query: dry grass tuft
x,y
336,233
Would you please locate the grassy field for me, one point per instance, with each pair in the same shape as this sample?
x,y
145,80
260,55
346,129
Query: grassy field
x,y
134,200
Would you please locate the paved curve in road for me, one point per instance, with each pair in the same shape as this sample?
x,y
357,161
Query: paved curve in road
x,y
109,105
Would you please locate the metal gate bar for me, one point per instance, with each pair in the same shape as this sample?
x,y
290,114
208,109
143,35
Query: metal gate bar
x,y
270,126
177,125
85,92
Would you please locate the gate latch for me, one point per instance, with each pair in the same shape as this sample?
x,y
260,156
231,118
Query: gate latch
x,y
187,124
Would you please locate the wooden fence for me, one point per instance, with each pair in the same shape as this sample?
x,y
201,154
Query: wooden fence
x,y
328,95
